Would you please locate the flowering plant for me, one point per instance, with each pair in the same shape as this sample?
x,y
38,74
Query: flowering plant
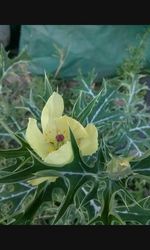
x,y
54,145
78,168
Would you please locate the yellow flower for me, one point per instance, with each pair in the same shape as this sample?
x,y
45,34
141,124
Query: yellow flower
x,y
53,144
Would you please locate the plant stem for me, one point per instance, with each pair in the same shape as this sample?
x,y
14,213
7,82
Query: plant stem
x,y
107,196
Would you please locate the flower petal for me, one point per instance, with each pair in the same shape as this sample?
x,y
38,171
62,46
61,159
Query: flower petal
x,y
77,129
53,108
57,126
62,156
35,182
36,140
89,145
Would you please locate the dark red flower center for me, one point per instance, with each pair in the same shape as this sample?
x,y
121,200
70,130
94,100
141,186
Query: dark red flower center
x,y
59,138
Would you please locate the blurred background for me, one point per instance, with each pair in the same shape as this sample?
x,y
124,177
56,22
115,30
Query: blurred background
x,y
74,47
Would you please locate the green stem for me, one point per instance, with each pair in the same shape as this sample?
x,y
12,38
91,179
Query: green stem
x,y
107,196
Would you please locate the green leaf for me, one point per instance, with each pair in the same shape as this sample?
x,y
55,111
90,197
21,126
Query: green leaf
x,y
14,198
47,89
134,213
13,153
43,194
77,108
142,165
74,174
88,109
27,216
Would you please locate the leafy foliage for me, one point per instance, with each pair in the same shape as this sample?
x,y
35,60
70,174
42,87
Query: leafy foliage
x,y
85,192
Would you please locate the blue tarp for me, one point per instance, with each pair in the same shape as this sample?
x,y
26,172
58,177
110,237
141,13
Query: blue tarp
x,y
102,47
